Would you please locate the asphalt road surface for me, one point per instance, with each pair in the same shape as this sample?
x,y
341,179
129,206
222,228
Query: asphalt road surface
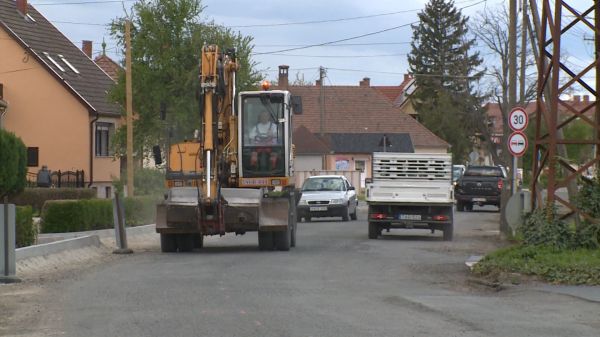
x,y
336,282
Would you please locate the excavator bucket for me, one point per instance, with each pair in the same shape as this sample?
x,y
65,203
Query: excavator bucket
x,y
274,214
245,205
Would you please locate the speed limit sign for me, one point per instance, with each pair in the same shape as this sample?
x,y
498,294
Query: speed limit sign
x,y
518,119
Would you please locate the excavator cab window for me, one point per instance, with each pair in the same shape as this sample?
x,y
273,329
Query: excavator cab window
x,y
263,132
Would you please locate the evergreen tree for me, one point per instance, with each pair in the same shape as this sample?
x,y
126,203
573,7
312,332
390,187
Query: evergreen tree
x,y
445,72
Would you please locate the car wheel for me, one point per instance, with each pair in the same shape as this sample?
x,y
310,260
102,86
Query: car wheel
x,y
374,230
346,214
353,215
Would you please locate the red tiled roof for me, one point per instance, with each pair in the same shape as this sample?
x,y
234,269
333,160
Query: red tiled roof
x,y
110,67
307,142
356,109
493,111
390,92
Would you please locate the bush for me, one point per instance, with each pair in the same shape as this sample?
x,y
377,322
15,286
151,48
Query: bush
x,y
588,200
13,164
36,197
26,232
544,227
60,216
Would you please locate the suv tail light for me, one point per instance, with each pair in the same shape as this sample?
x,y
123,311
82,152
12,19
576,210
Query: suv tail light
x,y
440,217
500,184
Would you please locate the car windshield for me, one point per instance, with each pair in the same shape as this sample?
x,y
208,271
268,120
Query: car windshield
x,y
323,184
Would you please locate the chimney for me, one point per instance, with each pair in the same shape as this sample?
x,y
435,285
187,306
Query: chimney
x,y
318,83
586,98
283,76
366,82
576,98
22,6
86,46
406,77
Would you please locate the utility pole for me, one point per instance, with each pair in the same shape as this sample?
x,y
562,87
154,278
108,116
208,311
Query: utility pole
x,y
524,22
512,76
129,105
322,74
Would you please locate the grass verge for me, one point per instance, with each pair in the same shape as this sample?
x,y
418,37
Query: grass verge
x,y
565,266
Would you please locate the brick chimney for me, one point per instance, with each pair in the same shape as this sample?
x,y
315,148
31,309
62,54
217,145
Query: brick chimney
x,y
406,77
576,98
86,46
586,98
283,76
366,82
22,6
318,83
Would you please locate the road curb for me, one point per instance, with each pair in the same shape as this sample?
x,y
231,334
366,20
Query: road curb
x,y
57,247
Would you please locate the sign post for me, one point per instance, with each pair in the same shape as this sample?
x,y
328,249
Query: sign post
x,y
517,141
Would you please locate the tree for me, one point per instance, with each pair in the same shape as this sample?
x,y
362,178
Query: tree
x,y
166,39
491,28
445,71
13,164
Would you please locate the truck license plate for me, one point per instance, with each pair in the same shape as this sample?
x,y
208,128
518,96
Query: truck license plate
x,y
409,216
318,208
479,199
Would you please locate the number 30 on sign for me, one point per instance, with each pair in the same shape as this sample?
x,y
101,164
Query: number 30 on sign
x,y
518,119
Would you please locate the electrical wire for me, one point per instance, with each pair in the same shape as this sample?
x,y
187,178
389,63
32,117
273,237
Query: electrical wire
x,y
337,56
80,2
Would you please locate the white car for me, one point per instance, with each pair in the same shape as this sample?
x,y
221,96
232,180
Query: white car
x,y
327,196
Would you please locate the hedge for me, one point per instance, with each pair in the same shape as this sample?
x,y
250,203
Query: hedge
x,y
60,216
36,197
13,163
26,232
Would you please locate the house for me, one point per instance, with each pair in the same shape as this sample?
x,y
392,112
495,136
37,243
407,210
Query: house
x,y
57,98
342,130
399,95
110,67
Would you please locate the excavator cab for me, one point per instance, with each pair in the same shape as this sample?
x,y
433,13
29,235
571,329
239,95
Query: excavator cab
x,y
265,138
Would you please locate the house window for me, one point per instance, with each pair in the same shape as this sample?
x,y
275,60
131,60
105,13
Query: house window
x,y
104,132
359,165
33,156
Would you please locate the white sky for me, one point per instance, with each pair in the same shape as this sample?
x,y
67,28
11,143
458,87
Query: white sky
x,y
385,63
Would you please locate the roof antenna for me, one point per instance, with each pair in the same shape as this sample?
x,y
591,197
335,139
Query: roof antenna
x,y
103,47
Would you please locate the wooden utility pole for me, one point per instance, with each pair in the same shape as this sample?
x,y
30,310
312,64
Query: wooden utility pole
x,y
129,104
322,100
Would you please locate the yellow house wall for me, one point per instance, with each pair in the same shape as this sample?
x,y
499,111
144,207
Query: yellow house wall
x,y
46,115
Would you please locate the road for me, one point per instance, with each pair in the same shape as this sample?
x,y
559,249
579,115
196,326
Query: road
x,y
335,283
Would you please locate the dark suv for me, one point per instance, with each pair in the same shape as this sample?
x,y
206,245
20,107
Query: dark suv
x,y
479,185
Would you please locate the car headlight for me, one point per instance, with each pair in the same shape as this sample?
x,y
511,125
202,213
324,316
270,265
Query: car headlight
x,y
336,201
302,202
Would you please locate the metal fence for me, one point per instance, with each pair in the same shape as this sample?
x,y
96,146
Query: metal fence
x,y
60,179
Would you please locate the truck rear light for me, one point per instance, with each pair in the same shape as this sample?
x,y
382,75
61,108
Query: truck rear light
x,y
500,184
378,216
440,217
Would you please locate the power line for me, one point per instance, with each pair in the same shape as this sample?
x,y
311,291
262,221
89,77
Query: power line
x,y
352,18
336,45
337,56
354,37
80,2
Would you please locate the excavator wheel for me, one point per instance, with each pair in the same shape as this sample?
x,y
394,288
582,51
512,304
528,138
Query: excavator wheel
x,y
265,240
168,243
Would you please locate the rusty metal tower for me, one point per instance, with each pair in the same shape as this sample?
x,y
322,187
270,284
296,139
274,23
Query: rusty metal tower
x,y
555,79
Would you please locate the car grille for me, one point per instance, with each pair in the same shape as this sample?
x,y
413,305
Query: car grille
x,y
319,202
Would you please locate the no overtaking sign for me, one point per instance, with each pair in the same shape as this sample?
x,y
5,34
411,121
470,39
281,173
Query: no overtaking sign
x,y
517,144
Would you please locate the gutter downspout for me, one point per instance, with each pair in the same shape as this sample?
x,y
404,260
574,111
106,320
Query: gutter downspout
x,y
92,149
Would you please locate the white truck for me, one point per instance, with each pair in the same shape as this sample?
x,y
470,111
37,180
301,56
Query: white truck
x,y
410,190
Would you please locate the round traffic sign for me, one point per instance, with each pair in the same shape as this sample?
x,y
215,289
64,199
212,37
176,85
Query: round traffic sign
x,y
518,119
517,143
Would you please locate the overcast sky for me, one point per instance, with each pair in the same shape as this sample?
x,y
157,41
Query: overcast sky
x,y
382,57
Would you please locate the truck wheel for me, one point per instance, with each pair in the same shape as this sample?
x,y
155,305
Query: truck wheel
x,y
374,230
282,240
168,244
448,232
185,242
198,241
346,214
265,240
293,235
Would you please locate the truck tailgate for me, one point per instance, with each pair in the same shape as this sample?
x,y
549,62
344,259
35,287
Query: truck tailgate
x,y
414,191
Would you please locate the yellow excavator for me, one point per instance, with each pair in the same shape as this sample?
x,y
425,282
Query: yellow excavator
x,y
235,175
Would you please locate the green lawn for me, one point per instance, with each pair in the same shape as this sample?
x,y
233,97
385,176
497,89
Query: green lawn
x,y
567,266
